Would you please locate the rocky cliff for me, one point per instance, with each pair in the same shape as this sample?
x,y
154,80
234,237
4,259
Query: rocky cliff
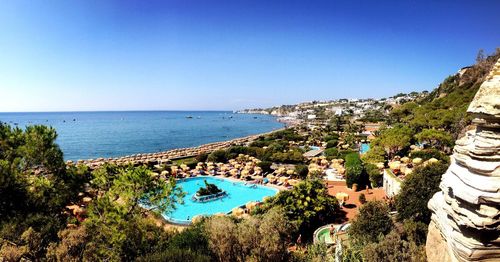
x,y
465,222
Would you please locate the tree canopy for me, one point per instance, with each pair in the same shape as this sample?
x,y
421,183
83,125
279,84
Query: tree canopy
x,y
417,189
372,221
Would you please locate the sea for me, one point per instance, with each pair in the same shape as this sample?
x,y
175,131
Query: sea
x,y
90,135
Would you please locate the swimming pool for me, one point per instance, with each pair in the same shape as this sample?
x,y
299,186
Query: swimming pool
x,y
238,194
364,148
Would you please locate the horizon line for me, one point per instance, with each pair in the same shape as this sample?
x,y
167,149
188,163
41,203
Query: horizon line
x,y
127,110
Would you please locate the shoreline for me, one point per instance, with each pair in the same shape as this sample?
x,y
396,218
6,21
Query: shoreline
x,y
172,154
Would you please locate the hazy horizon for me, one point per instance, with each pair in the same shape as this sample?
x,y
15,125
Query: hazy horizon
x,y
61,56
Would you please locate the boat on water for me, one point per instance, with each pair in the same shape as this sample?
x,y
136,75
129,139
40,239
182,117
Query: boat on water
x,y
189,117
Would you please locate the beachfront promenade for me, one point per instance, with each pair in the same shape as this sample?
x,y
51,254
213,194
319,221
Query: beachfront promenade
x,y
161,157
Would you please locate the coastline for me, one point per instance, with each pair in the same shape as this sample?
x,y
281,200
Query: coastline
x,y
173,154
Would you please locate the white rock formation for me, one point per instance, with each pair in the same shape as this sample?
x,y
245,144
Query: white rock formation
x,y
466,212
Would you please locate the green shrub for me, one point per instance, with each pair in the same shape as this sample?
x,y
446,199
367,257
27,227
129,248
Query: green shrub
x,y
218,156
372,221
290,157
416,190
266,166
344,153
354,169
301,170
333,136
332,143
202,157
332,152
374,174
427,154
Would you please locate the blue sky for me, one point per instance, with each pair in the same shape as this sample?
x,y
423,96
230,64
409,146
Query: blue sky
x,y
196,55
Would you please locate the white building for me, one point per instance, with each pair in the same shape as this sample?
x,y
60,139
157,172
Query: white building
x,y
392,184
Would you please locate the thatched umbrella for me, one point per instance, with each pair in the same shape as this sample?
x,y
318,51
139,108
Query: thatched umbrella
x,y
417,161
432,160
341,196
238,211
394,165
283,179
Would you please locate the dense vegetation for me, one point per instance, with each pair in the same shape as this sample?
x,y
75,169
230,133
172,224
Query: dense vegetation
x,y
445,107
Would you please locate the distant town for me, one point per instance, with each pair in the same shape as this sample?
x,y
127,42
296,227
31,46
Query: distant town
x,y
318,113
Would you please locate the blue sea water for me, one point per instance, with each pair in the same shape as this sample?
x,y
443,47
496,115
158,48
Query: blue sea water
x,y
237,194
87,135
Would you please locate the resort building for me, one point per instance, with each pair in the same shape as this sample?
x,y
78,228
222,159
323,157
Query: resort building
x,y
392,183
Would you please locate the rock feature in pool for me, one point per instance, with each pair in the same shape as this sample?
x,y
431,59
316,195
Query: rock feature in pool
x,y
209,193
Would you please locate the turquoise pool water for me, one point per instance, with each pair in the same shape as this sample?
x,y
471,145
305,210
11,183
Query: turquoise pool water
x,y
364,148
238,194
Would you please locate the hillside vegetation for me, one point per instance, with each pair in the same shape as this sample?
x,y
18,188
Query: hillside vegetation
x,y
445,107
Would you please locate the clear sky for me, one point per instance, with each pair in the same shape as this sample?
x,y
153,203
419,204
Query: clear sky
x,y
195,55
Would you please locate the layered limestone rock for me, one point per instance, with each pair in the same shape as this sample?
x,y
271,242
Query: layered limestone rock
x,y
466,212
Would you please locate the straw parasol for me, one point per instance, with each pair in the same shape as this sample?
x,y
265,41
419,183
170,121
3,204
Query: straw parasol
x,y
341,196
432,161
283,179
293,182
238,211
417,161
405,160
394,165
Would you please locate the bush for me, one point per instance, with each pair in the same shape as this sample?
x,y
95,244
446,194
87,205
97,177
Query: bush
x,y
218,156
376,154
374,174
259,238
354,169
372,221
416,190
308,205
344,153
260,143
301,171
394,248
266,166
427,154
333,136
202,157
287,134
332,143
331,152
290,157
